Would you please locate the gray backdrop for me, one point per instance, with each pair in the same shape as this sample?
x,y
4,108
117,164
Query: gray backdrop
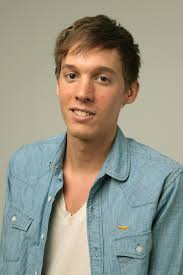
x,y
29,109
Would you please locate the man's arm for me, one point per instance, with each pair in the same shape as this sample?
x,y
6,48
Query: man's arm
x,y
167,234
7,193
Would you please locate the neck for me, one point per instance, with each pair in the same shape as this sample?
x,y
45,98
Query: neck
x,y
87,156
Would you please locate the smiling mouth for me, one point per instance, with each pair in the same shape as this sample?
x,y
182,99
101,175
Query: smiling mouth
x,y
82,113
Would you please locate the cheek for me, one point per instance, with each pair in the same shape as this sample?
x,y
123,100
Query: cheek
x,y
65,95
110,102
64,89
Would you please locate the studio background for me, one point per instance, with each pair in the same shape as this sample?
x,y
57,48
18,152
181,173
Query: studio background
x,y
29,109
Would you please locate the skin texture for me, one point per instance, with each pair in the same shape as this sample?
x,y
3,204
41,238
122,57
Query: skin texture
x,y
90,81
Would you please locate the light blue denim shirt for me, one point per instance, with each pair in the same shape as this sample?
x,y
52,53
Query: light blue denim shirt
x,y
134,210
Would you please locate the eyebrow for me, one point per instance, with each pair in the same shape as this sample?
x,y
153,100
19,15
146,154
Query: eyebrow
x,y
97,69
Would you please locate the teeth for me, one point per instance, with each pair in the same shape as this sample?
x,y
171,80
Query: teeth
x,y
81,113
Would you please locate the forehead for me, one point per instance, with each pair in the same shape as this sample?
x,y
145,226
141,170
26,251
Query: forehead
x,y
93,58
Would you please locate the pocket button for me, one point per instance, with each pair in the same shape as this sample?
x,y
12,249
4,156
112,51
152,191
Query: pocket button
x,y
139,249
13,219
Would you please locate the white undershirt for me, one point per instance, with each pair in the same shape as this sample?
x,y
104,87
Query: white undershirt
x,y
66,251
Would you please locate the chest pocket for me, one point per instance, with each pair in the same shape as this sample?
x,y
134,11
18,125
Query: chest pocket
x,y
16,230
133,252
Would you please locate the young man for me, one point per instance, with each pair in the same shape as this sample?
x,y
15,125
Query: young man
x,y
93,201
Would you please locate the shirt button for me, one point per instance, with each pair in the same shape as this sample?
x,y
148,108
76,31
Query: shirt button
x,y
53,167
42,236
49,199
13,219
139,249
36,273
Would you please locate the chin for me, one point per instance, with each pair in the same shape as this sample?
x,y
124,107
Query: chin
x,y
82,134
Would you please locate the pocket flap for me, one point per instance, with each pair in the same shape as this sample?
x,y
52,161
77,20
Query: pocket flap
x,y
135,246
19,219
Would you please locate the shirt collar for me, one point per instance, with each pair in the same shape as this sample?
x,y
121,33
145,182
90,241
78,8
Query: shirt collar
x,y
116,165
56,163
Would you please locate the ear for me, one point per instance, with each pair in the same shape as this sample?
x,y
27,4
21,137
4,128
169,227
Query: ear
x,y
132,92
57,88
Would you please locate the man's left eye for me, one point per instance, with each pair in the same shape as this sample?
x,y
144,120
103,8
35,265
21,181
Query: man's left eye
x,y
103,79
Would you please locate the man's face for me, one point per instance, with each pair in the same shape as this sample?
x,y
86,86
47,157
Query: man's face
x,y
92,91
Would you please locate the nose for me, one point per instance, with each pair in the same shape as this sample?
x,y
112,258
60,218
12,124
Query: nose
x,y
85,91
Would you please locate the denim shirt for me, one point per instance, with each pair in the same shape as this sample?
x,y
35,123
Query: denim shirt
x,y
134,210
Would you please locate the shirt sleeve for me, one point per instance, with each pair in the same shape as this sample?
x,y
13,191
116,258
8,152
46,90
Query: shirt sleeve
x,y
166,257
3,232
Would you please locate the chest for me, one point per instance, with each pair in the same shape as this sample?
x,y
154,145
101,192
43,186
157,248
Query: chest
x,y
119,234
76,191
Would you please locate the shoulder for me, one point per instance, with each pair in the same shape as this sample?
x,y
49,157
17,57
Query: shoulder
x,y
148,157
34,157
152,172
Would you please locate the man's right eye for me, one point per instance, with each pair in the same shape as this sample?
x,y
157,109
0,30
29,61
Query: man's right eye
x,y
70,76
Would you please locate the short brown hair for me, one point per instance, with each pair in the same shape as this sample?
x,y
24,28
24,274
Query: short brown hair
x,y
100,31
